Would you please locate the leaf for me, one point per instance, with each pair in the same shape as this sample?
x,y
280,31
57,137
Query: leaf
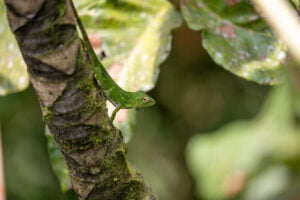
x,y
237,39
229,160
135,37
13,74
58,162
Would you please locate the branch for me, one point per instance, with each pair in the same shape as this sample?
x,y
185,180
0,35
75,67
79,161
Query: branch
x,y
72,103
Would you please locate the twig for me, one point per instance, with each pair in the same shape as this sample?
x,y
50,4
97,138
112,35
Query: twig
x,y
284,20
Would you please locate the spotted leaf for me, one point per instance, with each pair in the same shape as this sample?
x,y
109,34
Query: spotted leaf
x,y
237,38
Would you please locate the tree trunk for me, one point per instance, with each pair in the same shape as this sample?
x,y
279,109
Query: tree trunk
x,y
72,104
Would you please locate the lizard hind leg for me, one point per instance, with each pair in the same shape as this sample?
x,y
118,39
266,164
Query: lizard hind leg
x,y
115,112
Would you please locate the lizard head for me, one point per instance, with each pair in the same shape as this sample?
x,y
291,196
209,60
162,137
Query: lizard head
x,y
143,100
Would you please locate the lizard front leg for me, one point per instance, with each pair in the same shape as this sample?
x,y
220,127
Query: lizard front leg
x,y
115,112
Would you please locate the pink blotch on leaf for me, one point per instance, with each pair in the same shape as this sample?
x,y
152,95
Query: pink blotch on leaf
x,y
262,57
234,183
227,31
232,2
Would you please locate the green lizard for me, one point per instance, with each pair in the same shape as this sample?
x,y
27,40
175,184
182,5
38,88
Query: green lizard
x,y
120,98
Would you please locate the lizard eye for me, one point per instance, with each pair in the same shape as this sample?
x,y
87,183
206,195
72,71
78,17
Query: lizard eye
x,y
144,99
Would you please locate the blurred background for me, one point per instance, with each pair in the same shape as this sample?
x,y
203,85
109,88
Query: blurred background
x,y
208,137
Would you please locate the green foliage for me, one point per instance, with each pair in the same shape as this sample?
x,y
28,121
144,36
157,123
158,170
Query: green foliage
x,y
228,160
13,74
237,39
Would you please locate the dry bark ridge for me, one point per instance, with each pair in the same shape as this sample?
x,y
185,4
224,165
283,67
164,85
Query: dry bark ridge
x,y
72,104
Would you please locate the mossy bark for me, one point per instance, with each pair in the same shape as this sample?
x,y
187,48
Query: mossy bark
x,y
73,105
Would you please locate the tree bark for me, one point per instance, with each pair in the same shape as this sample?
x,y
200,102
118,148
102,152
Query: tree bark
x,y
72,104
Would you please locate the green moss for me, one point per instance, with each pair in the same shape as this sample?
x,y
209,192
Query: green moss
x,y
96,139
61,8
48,116
132,190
